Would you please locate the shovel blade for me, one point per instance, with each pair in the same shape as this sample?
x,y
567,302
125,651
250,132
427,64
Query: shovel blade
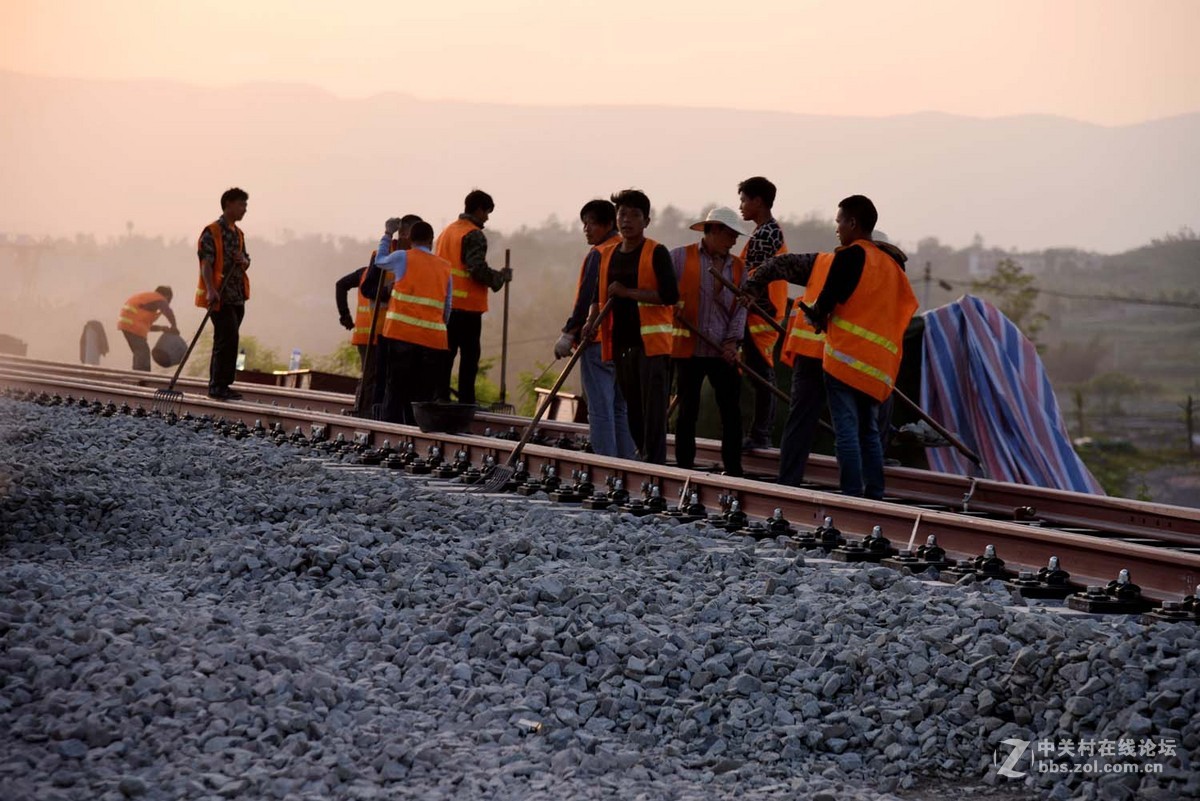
x,y
494,482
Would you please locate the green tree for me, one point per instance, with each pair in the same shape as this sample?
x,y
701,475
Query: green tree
x,y
343,361
1014,293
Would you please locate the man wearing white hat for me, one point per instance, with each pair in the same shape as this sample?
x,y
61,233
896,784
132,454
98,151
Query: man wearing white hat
x,y
710,324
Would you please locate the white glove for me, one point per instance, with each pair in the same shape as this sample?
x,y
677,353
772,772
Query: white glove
x,y
562,348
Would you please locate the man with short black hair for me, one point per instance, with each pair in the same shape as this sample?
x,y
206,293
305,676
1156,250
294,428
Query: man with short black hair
x,y
224,288
137,321
414,335
636,336
757,197
864,306
463,244
608,415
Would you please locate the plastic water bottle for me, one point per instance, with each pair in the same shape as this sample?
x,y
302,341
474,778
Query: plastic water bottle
x,y
241,359
294,363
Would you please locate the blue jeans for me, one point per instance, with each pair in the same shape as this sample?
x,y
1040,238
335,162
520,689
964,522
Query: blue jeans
x,y
608,416
856,431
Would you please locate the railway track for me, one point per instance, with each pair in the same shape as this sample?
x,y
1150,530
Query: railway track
x,y
1093,537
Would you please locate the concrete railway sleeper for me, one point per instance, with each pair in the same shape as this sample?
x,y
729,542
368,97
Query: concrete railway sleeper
x,y
1154,571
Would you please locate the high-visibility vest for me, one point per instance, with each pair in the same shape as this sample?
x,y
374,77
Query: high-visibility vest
x,y
135,318
364,312
469,294
688,307
415,309
656,320
583,269
219,265
802,339
761,332
864,338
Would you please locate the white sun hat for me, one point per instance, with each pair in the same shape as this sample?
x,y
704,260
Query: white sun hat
x,y
727,217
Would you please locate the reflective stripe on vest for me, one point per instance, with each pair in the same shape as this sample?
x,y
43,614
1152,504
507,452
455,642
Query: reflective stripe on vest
x,y
418,302
865,337
763,334
802,339
468,294
366,306
219,265
656,320
137,320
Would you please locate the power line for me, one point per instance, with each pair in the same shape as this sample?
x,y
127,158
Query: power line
x,y
1130,299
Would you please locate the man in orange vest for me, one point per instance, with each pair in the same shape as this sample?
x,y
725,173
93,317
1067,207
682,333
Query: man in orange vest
x,y
414,336
137,321
637,335
863,308
367,316
224,289
707,306
463,244
757,196
608,414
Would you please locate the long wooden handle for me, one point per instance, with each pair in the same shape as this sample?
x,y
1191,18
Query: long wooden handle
x,y
779,393
754,304
545,404
504,332
958,444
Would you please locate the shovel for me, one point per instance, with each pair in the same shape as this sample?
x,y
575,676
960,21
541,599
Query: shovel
x,y
501,473
503,406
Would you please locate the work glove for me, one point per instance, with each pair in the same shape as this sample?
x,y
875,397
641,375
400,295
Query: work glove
x,y
346,322
562,348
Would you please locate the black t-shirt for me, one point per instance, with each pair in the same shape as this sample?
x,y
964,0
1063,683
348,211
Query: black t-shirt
x,y
623,268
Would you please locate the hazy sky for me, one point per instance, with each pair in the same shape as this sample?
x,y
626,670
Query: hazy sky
x,y
1111,62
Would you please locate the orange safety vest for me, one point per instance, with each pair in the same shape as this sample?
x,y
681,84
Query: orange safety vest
x,y
469,294
656,320
365,311
688,307
865,336
137,320
219,265
415,309
583,269
802,338
761,332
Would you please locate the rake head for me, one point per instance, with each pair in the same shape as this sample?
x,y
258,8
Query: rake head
x,y
495,481
167,401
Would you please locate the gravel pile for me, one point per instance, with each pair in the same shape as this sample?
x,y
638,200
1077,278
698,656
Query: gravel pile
x,y
183,616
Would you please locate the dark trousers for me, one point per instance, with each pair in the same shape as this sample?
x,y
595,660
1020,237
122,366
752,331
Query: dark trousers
x,y
412,375
764,399
365,397
463,330
804,414
141,351
222,368
726,384
859,451
645,382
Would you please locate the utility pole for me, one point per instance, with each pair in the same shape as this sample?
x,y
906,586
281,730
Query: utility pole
x,y
928,283
1188,421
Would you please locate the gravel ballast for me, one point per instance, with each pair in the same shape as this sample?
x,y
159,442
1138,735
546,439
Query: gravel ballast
x,y
187,616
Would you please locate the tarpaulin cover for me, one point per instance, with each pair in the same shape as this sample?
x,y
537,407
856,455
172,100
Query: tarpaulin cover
x,y
984,380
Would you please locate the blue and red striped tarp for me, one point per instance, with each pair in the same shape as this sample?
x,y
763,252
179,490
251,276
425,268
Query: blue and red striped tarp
x,y
984,381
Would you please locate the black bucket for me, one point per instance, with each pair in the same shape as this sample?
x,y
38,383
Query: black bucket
x,y
447,418
169,349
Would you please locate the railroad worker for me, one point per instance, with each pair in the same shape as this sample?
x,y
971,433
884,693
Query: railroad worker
x,y
463,244
636,336
608,416
366,317
414,337
712,309
863,308
224,288
757,196
137,321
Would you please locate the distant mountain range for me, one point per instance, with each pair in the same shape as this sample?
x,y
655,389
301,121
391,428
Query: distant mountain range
x,y
88,156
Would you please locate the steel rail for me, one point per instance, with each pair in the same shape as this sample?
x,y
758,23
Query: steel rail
x,y
1129,519
1164,573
